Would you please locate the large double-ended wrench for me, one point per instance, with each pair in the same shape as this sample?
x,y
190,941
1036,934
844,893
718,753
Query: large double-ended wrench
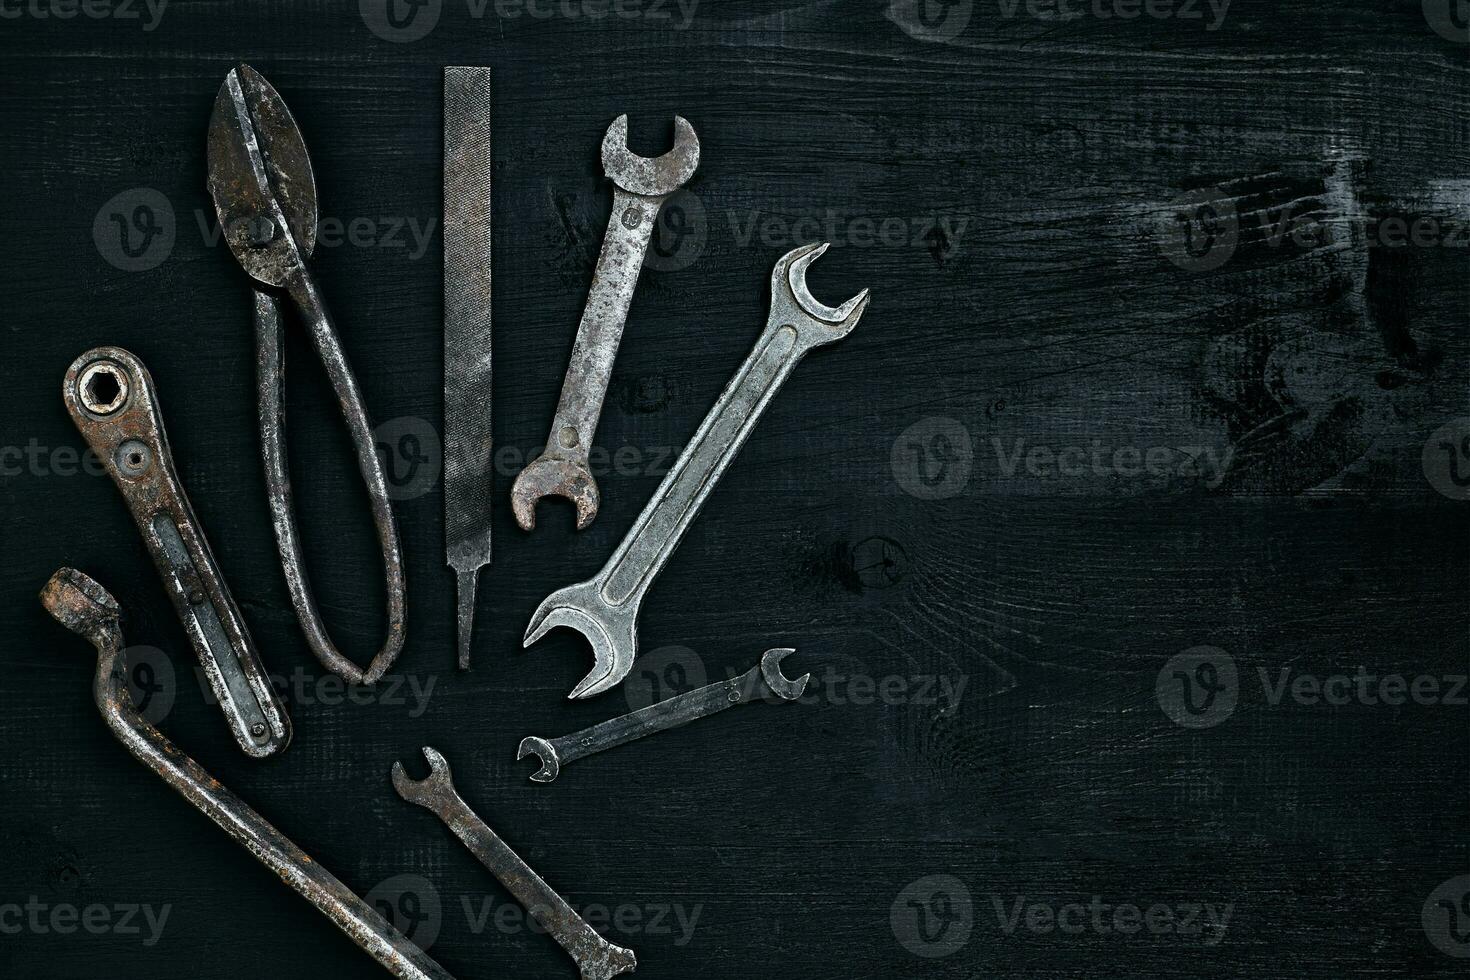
x,y
605,607
86,608
641,185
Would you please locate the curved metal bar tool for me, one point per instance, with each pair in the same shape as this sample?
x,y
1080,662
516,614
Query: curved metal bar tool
x,y
261,181
605,608
640,187
86,608
110,396
597,958
669,713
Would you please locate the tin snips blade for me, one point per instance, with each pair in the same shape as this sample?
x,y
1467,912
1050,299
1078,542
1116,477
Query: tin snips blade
x,y
467,445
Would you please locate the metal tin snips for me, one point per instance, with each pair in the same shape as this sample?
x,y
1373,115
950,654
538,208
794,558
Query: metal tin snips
x,y
265,195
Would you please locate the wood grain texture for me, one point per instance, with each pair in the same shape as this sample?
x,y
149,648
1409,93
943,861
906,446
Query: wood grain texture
x,y
1016,196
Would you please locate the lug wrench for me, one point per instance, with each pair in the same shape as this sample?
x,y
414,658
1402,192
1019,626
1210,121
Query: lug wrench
x,y
605,608
641,185
669,713
86,608
111,398
597,958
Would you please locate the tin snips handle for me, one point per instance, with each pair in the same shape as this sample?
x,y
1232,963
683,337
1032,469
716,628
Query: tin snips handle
x,y
111,398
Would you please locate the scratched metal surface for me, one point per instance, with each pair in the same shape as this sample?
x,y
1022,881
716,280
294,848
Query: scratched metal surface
x,y
1096,245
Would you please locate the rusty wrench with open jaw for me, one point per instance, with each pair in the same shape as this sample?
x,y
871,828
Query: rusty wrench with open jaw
x,y
641,185
597,958
86,608
605,608
111,398
672,712
261,180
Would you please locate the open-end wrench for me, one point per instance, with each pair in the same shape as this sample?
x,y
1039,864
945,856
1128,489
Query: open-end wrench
x,y
111,398
597,958
86,608
670,713
641,185
605,607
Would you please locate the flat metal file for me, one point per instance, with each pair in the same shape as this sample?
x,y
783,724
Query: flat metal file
x,y
467,315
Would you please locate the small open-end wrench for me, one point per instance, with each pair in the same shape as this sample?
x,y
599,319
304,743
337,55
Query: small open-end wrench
x,y
597,958
111,398
605,607
641,185
670,713
89,610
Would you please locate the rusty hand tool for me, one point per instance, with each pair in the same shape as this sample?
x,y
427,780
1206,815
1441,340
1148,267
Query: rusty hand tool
x,y
678,710
111,398
641,185
597,958
605,608
86,608
265,195
467,314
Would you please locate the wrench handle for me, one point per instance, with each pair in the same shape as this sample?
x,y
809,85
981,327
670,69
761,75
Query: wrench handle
x,y
570,930
678,500
672,712
128,435
629,230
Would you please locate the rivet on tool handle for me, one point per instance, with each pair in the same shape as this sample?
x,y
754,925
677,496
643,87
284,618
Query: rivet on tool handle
x,y
764,678
597,958
111,397
605,607
86,608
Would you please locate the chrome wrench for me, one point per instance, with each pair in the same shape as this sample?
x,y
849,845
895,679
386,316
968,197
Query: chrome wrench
x,y
641,185
672,712
111,398
597,958
89,610
605,607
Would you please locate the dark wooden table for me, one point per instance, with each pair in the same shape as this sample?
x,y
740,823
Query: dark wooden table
x,y
1169,317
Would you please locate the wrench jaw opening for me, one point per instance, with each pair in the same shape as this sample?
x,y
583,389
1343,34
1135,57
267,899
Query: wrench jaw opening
x,y
780,685
545,753
612,632
558,476
792,301
422,791
650,177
